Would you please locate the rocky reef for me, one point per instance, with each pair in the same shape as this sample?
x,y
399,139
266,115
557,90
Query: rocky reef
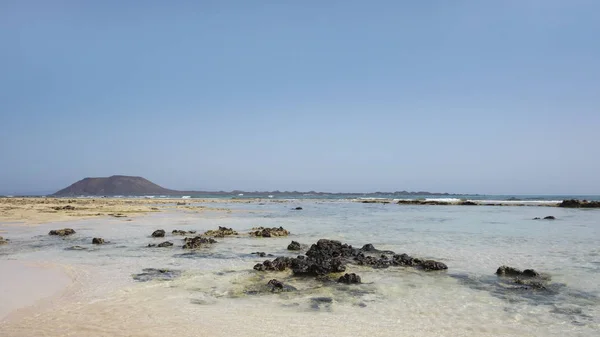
x,y
268,232
62,232
331,256
197,242
221,232
574,203
182,232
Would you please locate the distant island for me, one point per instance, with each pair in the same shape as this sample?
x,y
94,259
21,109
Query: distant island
x,y
138,186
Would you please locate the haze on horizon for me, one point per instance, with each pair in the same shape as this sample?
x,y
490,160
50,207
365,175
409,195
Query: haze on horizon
x,y
344,96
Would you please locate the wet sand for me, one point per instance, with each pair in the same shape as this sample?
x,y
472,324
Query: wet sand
x,y
23,285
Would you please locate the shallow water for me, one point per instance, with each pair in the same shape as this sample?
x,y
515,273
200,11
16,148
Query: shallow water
x,y
216,293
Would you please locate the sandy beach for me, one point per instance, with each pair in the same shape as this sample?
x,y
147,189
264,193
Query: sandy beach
x,y
40,210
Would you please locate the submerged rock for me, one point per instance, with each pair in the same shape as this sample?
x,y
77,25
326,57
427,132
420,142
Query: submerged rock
x,y
197,242
550,217
467,203
261,254
62,232
161,245
294,246
278,286
149,274
527,279
268,232
298,208
433,265
3,241
221,232
181,232
98,241
76,248
349,278
159,233
512,272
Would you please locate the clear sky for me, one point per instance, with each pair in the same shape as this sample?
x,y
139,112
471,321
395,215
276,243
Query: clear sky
x,y
338,95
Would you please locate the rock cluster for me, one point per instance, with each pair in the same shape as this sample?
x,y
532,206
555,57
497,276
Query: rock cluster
x,y
527,279
197,242
62,232
331,256
182,232
268,232
349,279
221,232
574,203
161,245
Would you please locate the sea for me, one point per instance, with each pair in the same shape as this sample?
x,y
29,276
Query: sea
x,y
214,291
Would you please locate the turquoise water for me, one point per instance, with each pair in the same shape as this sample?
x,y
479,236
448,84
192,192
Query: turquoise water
x,y
211,297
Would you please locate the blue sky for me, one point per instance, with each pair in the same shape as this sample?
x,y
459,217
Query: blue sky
x,y
449,96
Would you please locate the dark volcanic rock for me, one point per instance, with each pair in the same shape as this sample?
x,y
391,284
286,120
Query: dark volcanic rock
x,y
260,254
550,217
331,256
159,233
468,203
574,203
349,278
149,274
98,241
161,245
433,265
514,272
268,232
527,279
294,246
278,264
197,242
62,232
278,286
221,232
298,208
536,218
181,232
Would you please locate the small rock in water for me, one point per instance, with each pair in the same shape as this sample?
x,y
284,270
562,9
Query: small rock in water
x,y
197,242
294,246
260,254
349,278
550,217
181,232
149,274
159,233
3,241
318,302
298,208
162,245
536,218
98,241
433,265
62,232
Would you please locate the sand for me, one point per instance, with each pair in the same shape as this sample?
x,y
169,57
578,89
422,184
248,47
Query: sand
x,y
25,284
32,211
